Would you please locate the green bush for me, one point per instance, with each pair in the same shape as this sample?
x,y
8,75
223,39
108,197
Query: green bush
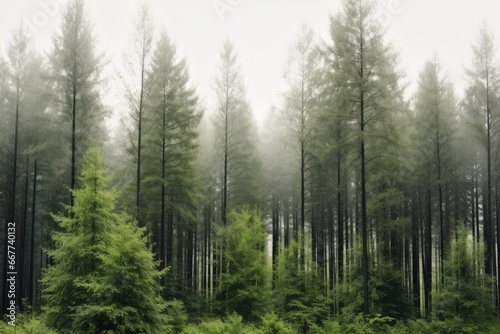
x,y
466,293
327,327
271,324
245,283
361,324
298,296
232,325
177,317
25,325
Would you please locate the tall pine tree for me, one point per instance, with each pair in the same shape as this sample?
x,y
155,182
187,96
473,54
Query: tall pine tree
x,y
104,278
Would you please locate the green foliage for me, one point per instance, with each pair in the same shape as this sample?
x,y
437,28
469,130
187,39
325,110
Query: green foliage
x,y
232,325
245,281
298,295
236,158
365,325
386,292
74,84
467,290
455,326
271,324
177,317
170,184
26,325
327,327
104,278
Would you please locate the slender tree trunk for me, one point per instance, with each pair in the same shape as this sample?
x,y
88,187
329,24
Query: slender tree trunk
x,y
11,212
295,218
488,228
170,236
189,261
364,218
497,220
473,206
205,254
32,241
226,153
73,148
314,233
162,213
302,202
21,271
415,259
348,223
163,190
331,249
140,121
440,207
276,229
340,220
286,222
428,258
477,206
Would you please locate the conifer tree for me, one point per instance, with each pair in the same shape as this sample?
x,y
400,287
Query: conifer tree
x,y
236,156
104,278
75,80
300,103
482,104
21,113
367,84
434,107
245,280
170,182
467,292
138,82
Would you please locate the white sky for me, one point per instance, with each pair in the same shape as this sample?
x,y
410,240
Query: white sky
x,y
262,31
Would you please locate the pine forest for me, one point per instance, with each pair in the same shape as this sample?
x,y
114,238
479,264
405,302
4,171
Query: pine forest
x,y
357,205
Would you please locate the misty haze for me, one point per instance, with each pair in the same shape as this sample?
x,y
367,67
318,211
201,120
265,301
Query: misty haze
x,y
249,166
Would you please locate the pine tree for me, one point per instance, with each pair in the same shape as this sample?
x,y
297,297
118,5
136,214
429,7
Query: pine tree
x,y
434,107
171,184
245,281
75,79
482,103
300,103
298,294
104,278
22,104
138,82
235,135
467,289
277,171
236,168
367,82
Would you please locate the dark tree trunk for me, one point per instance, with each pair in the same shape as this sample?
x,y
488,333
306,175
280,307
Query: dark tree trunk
x,y
415,259
340,220
73,149
11,211
302,203
364,218
21,249
428,258
488,226
286,221
276,227
32,287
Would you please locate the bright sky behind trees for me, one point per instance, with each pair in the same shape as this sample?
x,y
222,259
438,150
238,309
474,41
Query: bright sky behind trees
x,y
262,31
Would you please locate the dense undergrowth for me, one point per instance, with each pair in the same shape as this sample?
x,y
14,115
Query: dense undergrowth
x,y
271,324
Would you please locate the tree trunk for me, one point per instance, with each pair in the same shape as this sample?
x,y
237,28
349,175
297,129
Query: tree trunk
x,y
32,241
415,259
